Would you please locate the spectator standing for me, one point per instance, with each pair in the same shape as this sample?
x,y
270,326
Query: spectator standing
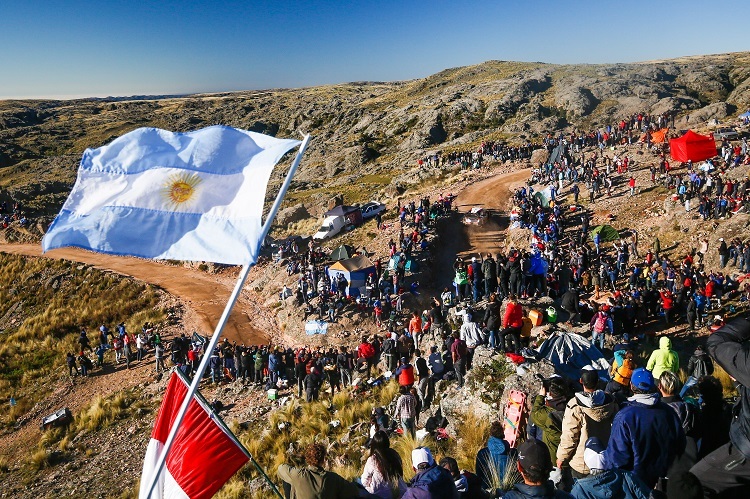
x,y
406,409
459,354
646,434
512,325
663,359
726,471
588,414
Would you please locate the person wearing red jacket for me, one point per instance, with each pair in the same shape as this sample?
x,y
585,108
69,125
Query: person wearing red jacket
x,y
667,303
512,324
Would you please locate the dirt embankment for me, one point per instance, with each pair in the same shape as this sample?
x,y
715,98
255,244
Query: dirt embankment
x,y
204,295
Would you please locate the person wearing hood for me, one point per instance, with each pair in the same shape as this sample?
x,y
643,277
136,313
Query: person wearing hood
x,y
646,434
623,366
601,482
663,359
700,364
588,414
493,459
472,336
431,481
548,410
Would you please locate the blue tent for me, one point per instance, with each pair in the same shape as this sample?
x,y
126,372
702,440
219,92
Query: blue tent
x,y
570,352
745,115
355,270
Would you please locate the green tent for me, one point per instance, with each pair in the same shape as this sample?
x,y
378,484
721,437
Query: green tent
x,y
542,198
607,232
343,252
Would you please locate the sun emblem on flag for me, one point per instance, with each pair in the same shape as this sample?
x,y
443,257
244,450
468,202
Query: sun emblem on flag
x,y
179,189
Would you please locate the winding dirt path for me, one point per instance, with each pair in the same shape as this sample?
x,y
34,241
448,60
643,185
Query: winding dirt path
x,y
493,195
205,295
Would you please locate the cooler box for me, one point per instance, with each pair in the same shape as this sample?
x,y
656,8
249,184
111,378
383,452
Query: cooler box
x,y
536,317
273,394
551,315
526,328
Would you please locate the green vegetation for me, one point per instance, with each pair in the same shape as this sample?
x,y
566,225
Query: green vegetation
x,y
43,305
489,380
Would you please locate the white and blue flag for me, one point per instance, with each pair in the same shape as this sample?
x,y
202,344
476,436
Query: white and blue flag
x,y
184,196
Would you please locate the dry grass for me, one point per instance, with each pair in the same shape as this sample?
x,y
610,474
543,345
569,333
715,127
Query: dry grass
x,y
727,383
472,436
55,444
43,304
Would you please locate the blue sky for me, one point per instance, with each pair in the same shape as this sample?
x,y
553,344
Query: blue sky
x,y
75,48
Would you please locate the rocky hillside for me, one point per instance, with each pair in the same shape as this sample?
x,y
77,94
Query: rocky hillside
x,y
373,132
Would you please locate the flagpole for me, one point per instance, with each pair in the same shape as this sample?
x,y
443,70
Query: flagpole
x,y
224,317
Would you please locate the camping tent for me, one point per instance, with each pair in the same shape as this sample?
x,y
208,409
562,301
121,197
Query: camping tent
x,y
746,114
692,147
353,214
342,252
355,270
659,136
607,232
544,196
570,352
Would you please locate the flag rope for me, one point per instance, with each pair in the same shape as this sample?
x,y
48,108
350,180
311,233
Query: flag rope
x,y
223,319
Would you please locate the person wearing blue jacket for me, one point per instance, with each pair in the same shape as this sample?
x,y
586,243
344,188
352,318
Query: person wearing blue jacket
x,y
646,434
492,459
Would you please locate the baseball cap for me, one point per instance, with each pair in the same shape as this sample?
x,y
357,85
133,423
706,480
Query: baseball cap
x,y
421,455
534,455
642,379
593,455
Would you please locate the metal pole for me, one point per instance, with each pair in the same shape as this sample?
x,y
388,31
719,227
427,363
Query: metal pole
x,y
224,316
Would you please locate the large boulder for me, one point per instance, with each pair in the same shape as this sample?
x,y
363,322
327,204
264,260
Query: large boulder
x,y
539,157
292,214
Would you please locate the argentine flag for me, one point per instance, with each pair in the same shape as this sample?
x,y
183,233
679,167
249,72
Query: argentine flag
x,y
183,196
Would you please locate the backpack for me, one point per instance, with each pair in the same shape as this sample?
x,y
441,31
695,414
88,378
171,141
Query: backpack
x,y
601,322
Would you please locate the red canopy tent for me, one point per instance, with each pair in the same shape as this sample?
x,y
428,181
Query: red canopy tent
x,y
692,147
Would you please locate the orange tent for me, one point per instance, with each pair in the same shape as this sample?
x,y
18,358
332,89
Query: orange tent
x,y
692,147
659,136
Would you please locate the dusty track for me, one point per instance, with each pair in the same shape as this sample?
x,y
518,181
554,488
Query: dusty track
x,y
205,295
493,194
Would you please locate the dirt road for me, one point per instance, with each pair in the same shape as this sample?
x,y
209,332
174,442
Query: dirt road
x,y
204,295
493,195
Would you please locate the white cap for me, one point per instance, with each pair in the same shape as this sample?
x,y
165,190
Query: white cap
x,y
473,259
721,239
421,455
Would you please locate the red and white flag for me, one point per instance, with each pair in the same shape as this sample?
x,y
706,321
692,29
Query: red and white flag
x,y
204,455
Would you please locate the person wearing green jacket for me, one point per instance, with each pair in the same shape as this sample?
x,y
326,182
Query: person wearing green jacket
x,y
663,359
461,281
547,413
